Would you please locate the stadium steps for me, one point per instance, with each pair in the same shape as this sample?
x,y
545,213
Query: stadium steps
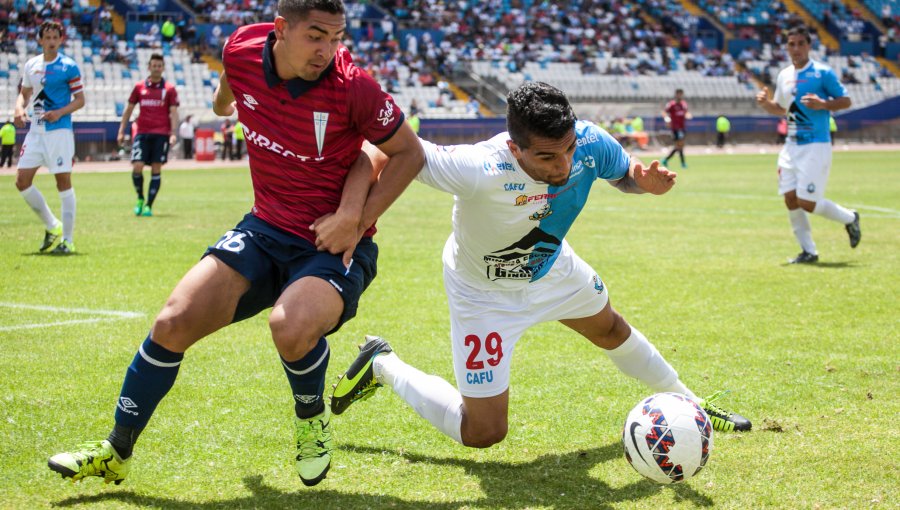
x,y
213,63
117,20
698,11
890,65
462,95
867,13
810,20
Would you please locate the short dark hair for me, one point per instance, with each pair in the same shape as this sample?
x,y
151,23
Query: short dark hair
x,y
801,31
156,56
538,109
297,10
679,90
50,25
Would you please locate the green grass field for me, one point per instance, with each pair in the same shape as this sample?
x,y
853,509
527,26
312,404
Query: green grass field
x,y
810,354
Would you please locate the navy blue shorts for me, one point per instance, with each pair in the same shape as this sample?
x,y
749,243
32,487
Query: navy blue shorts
x,y
272,259
678,134
150,148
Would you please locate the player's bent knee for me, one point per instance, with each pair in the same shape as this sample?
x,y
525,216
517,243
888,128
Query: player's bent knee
x,y
484,438
174,330
291,341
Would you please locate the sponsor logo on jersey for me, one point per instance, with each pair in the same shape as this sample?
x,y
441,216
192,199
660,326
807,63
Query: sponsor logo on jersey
x,y
577,168
525,199
590,138
264,142
497,168
250,102
386,115
514,186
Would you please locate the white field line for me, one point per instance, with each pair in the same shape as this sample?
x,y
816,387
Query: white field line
x,y
888,212
107,315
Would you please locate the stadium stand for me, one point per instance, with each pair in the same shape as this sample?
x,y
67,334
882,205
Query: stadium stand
x,y
629,55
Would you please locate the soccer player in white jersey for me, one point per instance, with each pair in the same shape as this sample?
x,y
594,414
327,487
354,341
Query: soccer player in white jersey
x,y
52,90
807,92
508,267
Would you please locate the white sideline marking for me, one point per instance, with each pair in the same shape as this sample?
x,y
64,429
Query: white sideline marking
x,y
888,212
108,315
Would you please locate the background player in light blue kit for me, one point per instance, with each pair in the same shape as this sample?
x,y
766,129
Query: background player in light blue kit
x,y
51,87
807,92
508,267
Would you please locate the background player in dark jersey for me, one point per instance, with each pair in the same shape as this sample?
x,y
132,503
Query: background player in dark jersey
x,y
156,127
676,114
306,111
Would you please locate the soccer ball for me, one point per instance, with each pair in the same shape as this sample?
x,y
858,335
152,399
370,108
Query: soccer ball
x,y
667,438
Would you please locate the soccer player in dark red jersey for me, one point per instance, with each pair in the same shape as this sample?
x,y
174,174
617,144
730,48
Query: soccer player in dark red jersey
x,y
156,127
676,114
306,246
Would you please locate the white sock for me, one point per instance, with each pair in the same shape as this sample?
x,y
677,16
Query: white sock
x,y
35,200
834,212
432,397
802,230
638,358
67,198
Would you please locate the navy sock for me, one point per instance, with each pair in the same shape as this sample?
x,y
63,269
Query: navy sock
x,y
149,377
671,153
155,181
307,379
681,155
138,180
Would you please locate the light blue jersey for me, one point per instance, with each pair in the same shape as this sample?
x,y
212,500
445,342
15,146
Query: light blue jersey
x,y
53,83
806,125
507,228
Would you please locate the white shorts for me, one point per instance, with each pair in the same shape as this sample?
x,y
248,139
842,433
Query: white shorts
x,y
52,149
485,325
804,168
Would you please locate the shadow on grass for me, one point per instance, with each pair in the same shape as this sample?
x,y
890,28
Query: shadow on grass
x,y
51,254
551,481
826,265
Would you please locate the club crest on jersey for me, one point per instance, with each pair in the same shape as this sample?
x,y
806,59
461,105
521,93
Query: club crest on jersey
x,y
320,120
541,213
811,188
386,115
250,102
589,162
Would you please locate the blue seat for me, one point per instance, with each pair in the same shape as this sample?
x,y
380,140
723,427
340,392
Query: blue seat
x,y
120,108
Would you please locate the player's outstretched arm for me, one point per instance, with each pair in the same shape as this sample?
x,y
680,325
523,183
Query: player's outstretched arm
x,y
655,179
223,98
340,232
406,161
